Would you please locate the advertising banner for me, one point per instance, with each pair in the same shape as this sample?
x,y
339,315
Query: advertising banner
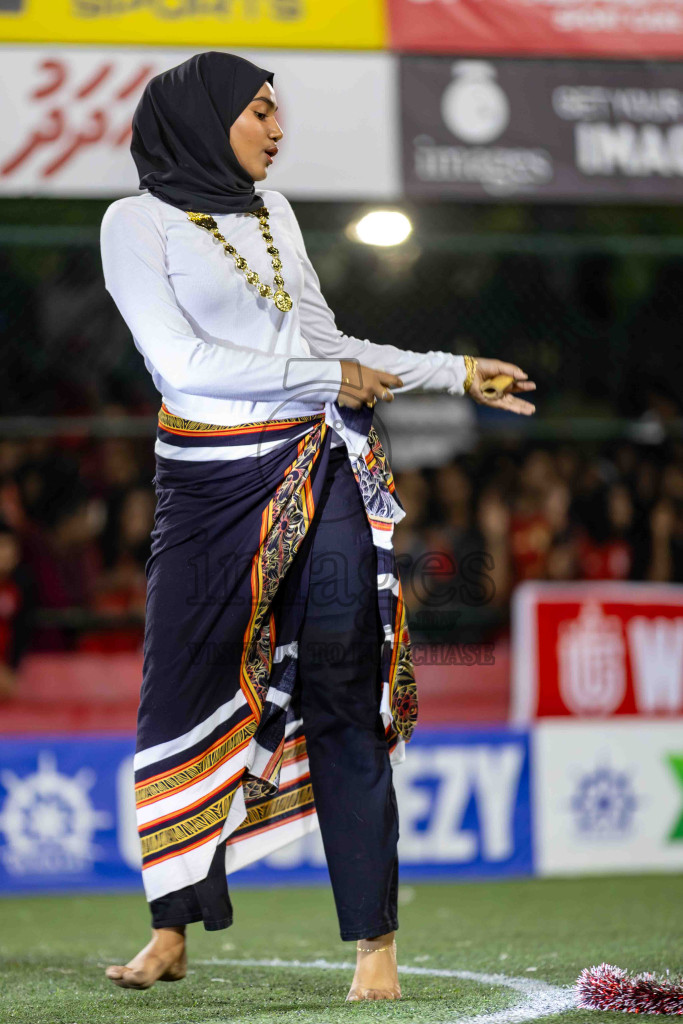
x,y
464,808
66,112
596,650
544,28
560,130
342,24
608,796
67,814
67,817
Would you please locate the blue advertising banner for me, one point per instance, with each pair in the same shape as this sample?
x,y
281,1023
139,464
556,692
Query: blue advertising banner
x,y
67,815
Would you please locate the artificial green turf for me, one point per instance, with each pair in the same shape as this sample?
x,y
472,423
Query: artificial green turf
x,y
54,950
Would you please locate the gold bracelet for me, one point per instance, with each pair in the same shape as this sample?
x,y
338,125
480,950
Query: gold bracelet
x,y
378,949
471,367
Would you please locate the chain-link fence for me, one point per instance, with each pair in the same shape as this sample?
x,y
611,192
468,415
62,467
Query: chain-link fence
x,y
588,301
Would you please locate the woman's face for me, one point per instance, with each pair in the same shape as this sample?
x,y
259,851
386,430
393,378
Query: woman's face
x,y
253,136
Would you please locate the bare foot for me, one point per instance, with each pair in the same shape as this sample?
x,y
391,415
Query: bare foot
x,y
376,974
162,959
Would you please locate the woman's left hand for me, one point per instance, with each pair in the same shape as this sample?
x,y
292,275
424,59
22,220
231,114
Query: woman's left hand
x,y
487,368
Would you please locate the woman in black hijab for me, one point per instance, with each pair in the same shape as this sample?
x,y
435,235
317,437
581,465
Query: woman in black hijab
x,y
182,130
203,133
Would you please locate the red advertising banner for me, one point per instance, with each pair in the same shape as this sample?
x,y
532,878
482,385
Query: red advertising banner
x,y
550,28
597,650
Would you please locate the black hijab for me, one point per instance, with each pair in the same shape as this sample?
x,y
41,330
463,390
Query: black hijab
x,y
181,128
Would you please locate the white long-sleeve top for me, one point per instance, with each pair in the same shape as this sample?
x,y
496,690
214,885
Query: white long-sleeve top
x,y
217,351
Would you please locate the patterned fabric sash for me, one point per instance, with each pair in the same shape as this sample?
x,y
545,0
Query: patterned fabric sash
x,y
221,752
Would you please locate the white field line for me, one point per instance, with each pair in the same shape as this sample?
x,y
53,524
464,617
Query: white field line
x,y
539,998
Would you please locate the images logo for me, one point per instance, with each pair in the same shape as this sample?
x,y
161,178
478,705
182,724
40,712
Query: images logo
x,y
475,108
49,821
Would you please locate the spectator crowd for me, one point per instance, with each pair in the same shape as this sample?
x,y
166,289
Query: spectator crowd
x,y
485,522
75,525
76,518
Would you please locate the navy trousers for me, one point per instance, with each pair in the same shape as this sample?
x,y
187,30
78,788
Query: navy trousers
x,y
340,690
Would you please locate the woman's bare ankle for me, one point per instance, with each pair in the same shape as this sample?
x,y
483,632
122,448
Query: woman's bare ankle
x,y
171,934
378,940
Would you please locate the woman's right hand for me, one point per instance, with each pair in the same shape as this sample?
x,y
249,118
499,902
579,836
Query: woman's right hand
x,y
361,385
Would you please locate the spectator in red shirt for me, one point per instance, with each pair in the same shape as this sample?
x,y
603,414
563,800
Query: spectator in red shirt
x,y
16,608
64,559
605,546
121,589
531,533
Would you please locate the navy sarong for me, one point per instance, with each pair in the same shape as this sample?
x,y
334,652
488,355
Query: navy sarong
x,y
221,753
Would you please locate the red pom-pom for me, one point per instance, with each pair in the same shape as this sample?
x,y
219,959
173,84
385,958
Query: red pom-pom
x,y
611,988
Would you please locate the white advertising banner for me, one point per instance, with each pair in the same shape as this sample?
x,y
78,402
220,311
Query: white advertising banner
x,y
607,796
66,111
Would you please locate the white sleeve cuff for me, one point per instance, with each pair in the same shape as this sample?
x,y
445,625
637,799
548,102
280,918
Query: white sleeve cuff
x,y
311,379
458,374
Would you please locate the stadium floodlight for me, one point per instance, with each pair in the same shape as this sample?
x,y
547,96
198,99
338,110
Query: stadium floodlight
x,y
382,227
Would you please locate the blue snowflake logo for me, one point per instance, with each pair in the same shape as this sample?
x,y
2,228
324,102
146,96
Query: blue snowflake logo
x,y
604,802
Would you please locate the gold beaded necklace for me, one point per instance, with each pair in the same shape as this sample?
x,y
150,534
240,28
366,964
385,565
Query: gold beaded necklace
x,y
280,297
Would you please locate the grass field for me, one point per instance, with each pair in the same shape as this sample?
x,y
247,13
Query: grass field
x,y
54,950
